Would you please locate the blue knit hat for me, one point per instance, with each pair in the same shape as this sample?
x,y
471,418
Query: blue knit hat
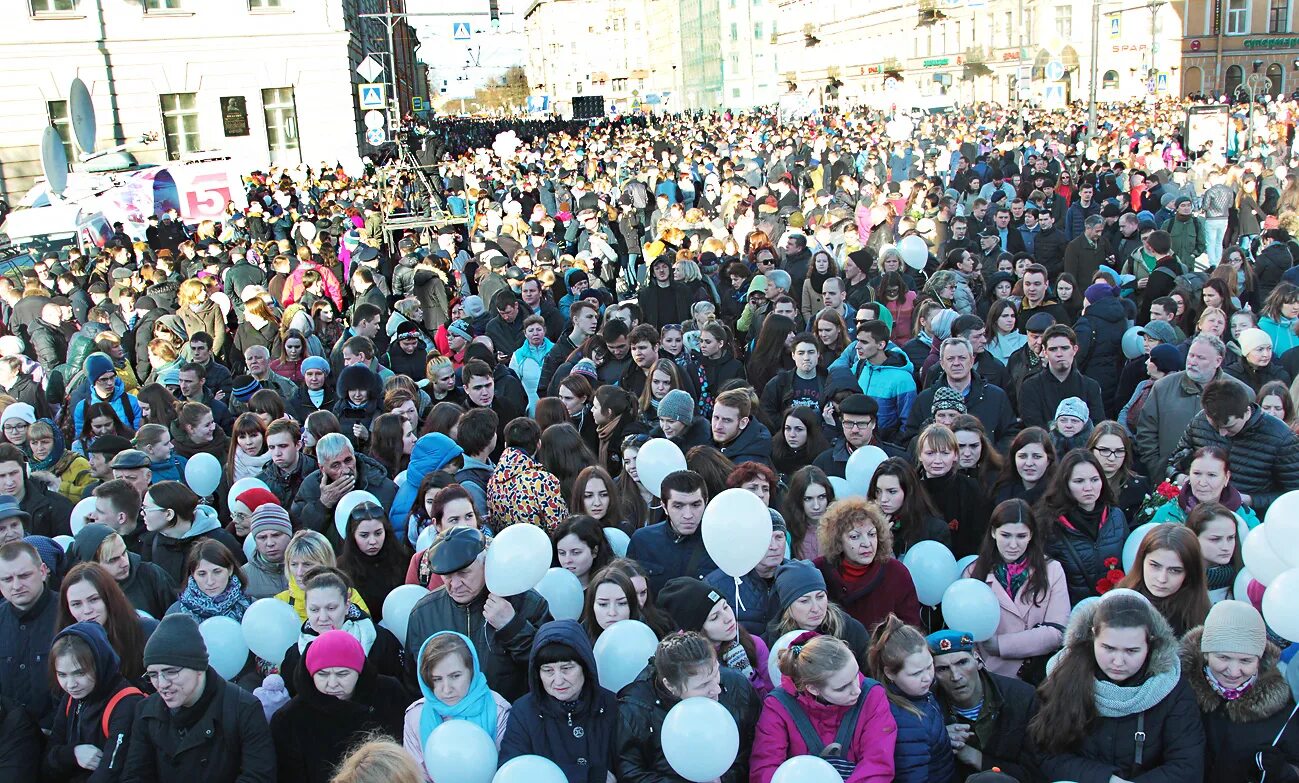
x,y
315,363
795,579
98,364
245,386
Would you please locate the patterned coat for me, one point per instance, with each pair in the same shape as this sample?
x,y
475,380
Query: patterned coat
x,y
520,490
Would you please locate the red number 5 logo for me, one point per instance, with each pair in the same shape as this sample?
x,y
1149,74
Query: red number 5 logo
x,y
208,196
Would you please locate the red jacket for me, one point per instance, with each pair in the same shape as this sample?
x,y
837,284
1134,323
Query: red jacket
x,y
777,739
887,587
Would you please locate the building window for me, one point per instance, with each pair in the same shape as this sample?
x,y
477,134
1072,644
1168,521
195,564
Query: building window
x,y
254,5
40,7
757,31
180,123
1111,80
161,5
1064,21
735,92
1278,18
735,31
1010,29
59,118
281,124
1237,17
1235,75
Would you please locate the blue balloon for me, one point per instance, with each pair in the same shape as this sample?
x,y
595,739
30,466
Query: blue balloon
x,y
458,751
969,605
563,593
529,769
700,739
227,651
622,652
933,569
1133,343
1088,601
203,474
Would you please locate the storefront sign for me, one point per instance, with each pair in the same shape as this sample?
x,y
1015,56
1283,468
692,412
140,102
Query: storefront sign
x,y
1271,43
936,63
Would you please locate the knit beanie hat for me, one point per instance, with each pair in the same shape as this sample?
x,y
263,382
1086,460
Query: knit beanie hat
x,y
19,411
269,516
335,650
1098,291
474,306
315,363
169,376
1252,339
176,642
677,405
940,323
460,328
688,601
1167,358
98,364
1234,627
245,386
795,579
1073,406
948,399
587,368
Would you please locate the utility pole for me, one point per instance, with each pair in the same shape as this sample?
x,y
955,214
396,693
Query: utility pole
x,y
1091,88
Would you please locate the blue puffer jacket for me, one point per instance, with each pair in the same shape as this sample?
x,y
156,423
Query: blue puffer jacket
x,y
892,384
431,453
124,405
580,736
923,753
1082,556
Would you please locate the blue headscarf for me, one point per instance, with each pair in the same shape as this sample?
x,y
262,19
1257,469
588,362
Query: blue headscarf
x,y
478,706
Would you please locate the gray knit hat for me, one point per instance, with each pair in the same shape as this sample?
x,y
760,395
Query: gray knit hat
x,y
947,399
1234,627
269,516
1075,407
677,405
176,642
795,579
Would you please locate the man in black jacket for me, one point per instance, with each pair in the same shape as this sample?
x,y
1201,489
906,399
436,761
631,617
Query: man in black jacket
x,y
584,321
662,299
506,329
1049,245
986,714
27,617
1042,392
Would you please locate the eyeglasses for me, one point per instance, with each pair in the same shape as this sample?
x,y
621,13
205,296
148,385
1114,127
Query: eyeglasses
x,y
1110,453
16,426
164,675
858,425
147,509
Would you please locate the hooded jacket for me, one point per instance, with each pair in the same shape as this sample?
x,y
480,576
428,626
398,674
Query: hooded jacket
x,y
643,706
751,444
314,731
1100,344
1236,730
147,585
1273,262
777,738
1173,750
80,721
285,485
432,452
520,491
355,378
124,405
170,553
308,512
579,735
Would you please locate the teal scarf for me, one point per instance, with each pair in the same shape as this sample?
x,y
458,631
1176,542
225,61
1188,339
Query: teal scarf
x,y
478,706
56,453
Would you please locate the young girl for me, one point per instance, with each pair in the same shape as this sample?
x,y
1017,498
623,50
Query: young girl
x,y
90,595
1115,705
610,598
1113,449
976,455
693,605
92,721
454,688
899,658
248,455
1004,338
664,376
1218,531
596,495
580,547
373,557
810,495
1028,468
1169,570
958,498
155,441
1088,529
910,513
1030,587
798,441
822,689
359,397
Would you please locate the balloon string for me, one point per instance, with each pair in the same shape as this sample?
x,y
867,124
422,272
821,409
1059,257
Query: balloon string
x,y
739,602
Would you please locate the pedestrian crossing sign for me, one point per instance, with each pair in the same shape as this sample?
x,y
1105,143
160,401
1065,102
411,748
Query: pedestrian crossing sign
x,y
372,95
460,31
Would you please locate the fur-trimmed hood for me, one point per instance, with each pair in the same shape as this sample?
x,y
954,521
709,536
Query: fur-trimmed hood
x,y
1164,659
1269,695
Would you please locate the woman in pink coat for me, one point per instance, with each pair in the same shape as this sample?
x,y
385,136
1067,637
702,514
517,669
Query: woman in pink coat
x,y
824,699
1031,589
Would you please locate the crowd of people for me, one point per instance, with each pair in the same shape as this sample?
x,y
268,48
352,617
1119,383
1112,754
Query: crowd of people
x,y
1053,336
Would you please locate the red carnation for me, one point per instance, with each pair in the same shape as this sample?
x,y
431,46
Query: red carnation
x,y
1115,576
1167,490
1111,563
1103,586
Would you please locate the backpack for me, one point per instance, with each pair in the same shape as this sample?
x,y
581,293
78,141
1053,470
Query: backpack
x,y
108,708
1192,282
836,753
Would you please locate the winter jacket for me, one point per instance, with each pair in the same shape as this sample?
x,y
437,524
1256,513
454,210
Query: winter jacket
x,y
314,732
1254,377
1001,729
25,639
886,587
1236,730
1173,750
264,579
307,510
1282,332
986,402
48,344
753,596
892,384
834,460
520,491
1173,402
777,737
751,444
1083,557
229,743
1100,345
923,753
170,554
1264,455
503,652
1048,249
285,485
147,586
779,392
81,721
665,555
301,406
1023,631
1076,216
1162,282
218,447
1082,257
1042,393
580,735
207,318
51,512
718,371
20,742
662,305
1188,238
527,363
410,737
431,453
124,405
642,708
1273,261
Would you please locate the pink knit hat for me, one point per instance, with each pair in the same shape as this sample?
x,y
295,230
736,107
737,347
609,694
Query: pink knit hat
x,y
334,650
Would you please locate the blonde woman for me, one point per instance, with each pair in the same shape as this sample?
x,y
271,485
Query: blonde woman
x,y
198,313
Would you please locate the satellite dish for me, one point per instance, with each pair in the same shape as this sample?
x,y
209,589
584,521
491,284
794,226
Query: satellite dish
x,y
54,161
81,111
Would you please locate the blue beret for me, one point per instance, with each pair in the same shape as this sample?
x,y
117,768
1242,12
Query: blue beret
x,y
944,642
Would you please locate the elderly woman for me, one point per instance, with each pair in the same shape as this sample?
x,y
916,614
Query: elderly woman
x,y
1208,480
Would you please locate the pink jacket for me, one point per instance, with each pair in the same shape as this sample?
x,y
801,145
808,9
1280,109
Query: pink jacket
x,y
777,739
1018,634
293,286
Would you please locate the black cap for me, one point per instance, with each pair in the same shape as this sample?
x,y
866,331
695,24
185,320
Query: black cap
x,y
455,549
109,444
859,405
1039,322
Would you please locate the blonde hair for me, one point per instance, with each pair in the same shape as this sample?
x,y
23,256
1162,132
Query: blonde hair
x,y
379,759
891,644
190,291
308,545
938,437
813,661
846,514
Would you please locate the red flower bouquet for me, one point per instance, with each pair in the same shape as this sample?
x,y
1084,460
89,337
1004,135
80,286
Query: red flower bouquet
x,y
1113,575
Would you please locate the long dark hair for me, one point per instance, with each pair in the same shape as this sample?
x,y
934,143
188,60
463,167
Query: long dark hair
x,y
1057,501
1010,512
792,509
589,532
163,405
989,460
770,355
564,454
1125,471
122,623
612,517
1009,474
816,442
1188,607
917,506
613,576
386,433
393,557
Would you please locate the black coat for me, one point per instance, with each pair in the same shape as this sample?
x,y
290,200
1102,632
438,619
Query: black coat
x,y
1100,346
1264,455
314,732
1048,250
1005,748
148,587
171,553
25,640
51,512
228,742
1083,557
385,655
48,344
642,707
961,502
985,401
662,306
1041,394
20,743
301,406
720,370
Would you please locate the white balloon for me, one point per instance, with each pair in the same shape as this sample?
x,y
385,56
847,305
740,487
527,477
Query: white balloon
x,y
1281,605
240,486
914,251
563,593
622,652
63,541
226,649
397,606
426,537
1240,587
344,508
529,769
517,559
1132,544
458,751
773,660
618,541
250,547
270,627
965,563
842,489
203,474
736,530
700,739
1282,524
1261,559
81,513
806,769
655,460
861,468
933,569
